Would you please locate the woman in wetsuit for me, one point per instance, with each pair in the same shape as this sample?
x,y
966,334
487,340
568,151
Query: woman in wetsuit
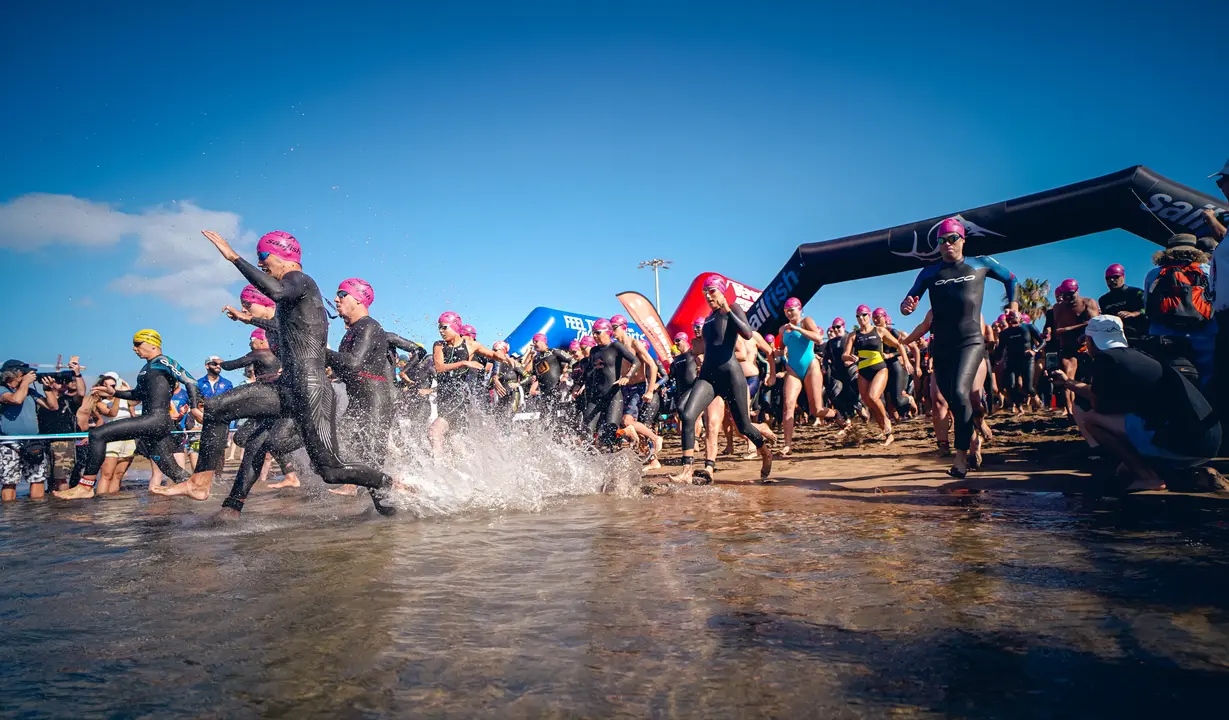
x,y
453,355
802,369
1018,346
865,347
303,392
505,382
898,397
152,429
604,384
683,371
720,376
956,285
547,365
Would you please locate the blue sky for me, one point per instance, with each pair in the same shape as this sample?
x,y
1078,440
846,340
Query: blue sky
x,y
496,158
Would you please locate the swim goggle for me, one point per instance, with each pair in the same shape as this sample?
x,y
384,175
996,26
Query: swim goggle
x,y
344,294
262,256
951,238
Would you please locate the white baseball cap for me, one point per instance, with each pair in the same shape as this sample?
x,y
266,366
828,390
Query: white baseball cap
x,y
1223,171
1105,331
113,375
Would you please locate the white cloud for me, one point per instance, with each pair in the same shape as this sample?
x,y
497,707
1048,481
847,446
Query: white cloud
x,y
175,262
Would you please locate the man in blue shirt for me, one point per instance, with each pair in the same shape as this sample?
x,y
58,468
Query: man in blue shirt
x,y
213,383
20,460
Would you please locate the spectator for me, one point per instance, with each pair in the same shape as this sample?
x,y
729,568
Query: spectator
x,y
119,454
27,460
212,384
66,390
1177,293
1144,413
1220,296
1127,303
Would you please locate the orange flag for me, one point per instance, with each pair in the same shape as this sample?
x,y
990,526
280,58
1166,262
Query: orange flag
x,y
645,315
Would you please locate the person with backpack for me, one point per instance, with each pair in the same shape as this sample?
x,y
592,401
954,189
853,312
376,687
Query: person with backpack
x,y
1178,301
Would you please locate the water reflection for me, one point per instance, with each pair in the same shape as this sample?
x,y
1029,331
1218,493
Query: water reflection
x,y
706,602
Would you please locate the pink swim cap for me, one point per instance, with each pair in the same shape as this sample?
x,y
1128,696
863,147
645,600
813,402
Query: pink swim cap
x,y
863,310
618,321
587,341
949,226
469,332
1002,318
1011,315
1115,270
452,320
574,345
252,296
358,289
259,334
769,338
1026,318
879,312
838,322
680,337
698,323
793,303
282,244
539,336
601,325
501,345
1068,286
715,281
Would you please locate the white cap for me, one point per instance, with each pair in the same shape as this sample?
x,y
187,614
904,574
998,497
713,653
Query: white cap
x,y
1223,171
1105,331
113,375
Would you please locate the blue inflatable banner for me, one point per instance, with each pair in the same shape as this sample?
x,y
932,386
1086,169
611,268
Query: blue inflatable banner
x,y
560,328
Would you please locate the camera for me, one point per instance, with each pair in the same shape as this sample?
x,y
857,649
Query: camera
x,y
61,375
1051,362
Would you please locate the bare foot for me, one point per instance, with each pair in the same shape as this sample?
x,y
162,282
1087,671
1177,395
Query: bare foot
x,y
684,476
751,455
292,481
785,451
766,464
654,464
346,490
196,492
81,492
889,439
225,516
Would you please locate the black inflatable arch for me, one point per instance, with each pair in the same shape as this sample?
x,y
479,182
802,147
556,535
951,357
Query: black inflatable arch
x,y
1136,200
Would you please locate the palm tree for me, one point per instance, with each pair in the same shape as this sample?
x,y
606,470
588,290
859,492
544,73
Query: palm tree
x,y
1033,296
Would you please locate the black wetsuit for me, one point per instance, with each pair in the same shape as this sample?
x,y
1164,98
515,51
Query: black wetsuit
x,y
1127,299
721,375
958,347
683,373
841,378
266,367
1015,341
603,396
152,429
548,369
302,393
510,376
898,379
361,362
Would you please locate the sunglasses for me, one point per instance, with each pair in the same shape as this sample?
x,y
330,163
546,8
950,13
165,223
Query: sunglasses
x,y
950,239
1064,295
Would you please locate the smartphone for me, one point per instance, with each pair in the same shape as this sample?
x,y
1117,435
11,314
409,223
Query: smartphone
x,y
1052,362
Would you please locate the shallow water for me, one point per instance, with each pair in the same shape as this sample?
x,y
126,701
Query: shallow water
x,y
708,602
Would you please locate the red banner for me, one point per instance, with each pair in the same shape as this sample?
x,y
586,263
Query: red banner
x,y
645,315
695,306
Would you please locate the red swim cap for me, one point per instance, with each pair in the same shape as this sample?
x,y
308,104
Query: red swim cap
x,y
358,289
282,244
1115,270
949,226
252,296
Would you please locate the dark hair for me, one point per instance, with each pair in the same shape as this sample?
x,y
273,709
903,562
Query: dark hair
x,y
102,379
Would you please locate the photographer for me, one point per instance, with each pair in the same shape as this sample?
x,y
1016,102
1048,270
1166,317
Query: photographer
x,y
66,390
1144,414
20,460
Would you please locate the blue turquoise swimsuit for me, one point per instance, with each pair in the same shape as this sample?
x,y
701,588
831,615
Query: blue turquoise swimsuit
x,y
800,352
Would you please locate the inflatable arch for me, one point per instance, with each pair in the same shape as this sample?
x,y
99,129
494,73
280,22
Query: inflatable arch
x,y
1137,200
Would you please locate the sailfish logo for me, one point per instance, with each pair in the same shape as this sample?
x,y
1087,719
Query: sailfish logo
x,y
928,248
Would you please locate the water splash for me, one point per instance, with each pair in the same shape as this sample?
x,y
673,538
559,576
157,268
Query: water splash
x,y
495,465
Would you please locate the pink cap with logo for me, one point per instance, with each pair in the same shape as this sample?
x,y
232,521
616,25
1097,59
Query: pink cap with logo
x,y
452,320
358,289
252,296
949,226
282,244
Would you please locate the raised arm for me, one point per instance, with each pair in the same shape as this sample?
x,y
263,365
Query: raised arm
x,y
292,285
739,318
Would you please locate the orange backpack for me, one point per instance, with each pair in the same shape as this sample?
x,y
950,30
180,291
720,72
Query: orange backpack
x,y
1177,298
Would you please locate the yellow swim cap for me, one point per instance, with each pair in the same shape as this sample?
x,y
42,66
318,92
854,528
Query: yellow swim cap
x,y
147,335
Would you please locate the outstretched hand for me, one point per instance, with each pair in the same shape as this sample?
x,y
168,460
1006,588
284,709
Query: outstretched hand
x,y
908,305
220,243
234,314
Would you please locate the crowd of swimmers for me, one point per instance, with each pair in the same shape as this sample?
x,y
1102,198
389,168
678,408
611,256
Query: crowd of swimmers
x,y
606,390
